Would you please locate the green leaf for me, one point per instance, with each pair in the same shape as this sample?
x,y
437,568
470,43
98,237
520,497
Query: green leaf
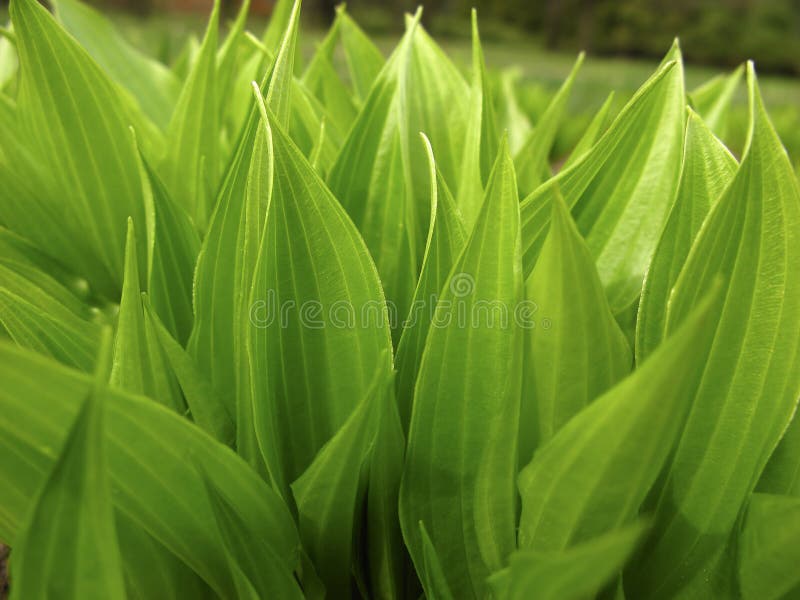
x,y
278,24
480,139
207,409
191,164
329,491
446,239
69,547
386,554
40,314
279,94
745,396
769,548
380,180
532,159
594,474
152,84
580,571
229,59
579,352
224,273
19,254
9,65
620,192
317,328
593,132
251,556
172,248
433,579
324,82
512,117
467,393
148,446
76,122
26,192
139,364
708,168
712,100
363,59
782,473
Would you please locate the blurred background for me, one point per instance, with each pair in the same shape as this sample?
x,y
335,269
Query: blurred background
x,y
534,44
719,32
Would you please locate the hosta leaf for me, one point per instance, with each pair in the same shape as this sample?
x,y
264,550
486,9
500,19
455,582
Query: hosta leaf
x,y
620,192
480,140
329,491
782,473
769,548
579,571
712,100
77,122
20,255
332,93
433,579
266,572
224,273
148,448
152,84
747,392
512,117
38,313
380,181
228,58
316,339
707,170
172,248
579,352
532,158
139,365
72,517
437,103
26,190
467,393
278,24
9,64
363,59
371,179
153,571
322,79
593,475
593,132
385,550
279,90
191,164
307,118
207,409
446,238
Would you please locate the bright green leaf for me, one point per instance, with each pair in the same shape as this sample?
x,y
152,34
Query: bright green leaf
x,y
747,391
467,395
575,350
769,548
594,474
707,170
577,572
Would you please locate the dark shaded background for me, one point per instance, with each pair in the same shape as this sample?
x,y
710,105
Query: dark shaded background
x,y
716,32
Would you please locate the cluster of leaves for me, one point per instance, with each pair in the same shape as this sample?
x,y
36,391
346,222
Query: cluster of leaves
x,y
161,438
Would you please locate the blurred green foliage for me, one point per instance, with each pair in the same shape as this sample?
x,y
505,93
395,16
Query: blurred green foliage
x,y
722,32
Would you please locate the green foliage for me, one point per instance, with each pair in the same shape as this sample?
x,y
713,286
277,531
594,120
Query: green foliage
x,y
330,333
